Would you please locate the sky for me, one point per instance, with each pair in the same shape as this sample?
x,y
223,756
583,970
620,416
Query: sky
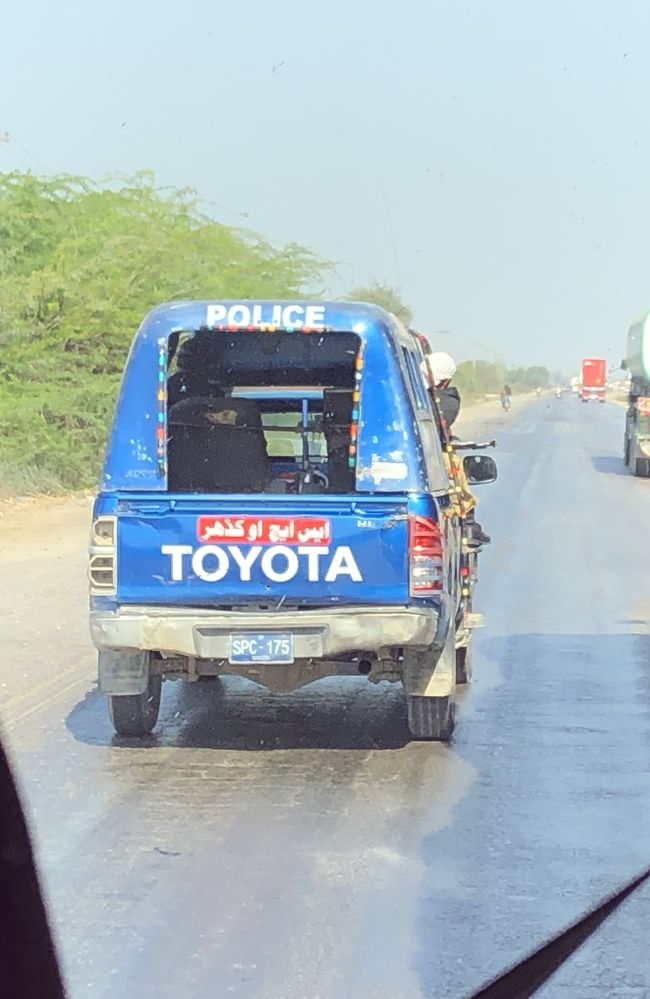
x,y
491,160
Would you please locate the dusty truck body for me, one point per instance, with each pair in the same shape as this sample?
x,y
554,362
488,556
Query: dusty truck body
x,y
274,504
636,443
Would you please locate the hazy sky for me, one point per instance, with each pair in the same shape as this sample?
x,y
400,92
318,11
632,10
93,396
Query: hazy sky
x,y
491,159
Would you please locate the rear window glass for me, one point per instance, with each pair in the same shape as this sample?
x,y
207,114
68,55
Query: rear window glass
x,y
284,438
251,412
415,377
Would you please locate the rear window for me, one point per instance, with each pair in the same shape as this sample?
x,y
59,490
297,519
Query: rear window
x,y
415,378
252,412
284,438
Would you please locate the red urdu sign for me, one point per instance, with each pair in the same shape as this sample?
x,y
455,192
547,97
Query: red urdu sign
x,y
265,530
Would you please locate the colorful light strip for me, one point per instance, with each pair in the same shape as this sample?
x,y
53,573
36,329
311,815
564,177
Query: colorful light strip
x,y
356,409
268,328
161,432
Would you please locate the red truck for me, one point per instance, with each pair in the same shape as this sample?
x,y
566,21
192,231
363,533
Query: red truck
x,y
594,379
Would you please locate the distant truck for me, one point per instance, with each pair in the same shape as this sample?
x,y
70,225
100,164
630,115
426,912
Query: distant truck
x,y
594,379
636,445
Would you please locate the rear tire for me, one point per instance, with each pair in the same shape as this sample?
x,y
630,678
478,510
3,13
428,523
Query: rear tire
x,y
430,717
626,452
640,467
135,715
464,664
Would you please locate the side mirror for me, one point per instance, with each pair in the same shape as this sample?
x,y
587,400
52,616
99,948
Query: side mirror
x,y
479,468
623,365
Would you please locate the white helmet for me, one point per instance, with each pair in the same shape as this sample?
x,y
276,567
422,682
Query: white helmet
x,y
443,366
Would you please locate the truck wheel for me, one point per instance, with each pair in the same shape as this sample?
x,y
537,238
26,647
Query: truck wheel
x,y
626,452
429,684
430,717
640,467
464,664
135,715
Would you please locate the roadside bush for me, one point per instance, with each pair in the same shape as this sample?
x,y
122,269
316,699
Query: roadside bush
x,y
80,266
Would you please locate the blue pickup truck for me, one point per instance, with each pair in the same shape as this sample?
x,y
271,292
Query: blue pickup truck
x,y
275,504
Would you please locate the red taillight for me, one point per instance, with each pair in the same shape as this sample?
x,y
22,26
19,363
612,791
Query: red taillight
x,y
425,556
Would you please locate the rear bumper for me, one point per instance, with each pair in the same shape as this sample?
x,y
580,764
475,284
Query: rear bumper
x,y
318,634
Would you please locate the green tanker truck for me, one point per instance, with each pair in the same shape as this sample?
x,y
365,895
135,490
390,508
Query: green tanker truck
x,y
636,447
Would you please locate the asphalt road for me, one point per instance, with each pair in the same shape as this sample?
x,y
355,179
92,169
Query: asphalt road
x,y
300,845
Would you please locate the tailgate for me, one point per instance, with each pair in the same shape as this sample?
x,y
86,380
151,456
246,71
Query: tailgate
x,y
305,550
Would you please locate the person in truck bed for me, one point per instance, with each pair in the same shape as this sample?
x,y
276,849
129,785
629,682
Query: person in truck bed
x,y
442,368
191,376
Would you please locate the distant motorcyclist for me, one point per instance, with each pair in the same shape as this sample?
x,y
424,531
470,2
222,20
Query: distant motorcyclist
x,y
442,368
506,397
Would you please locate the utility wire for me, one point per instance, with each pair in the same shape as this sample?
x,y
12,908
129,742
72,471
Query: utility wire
x,y
8,143
391,230
5,139
36,158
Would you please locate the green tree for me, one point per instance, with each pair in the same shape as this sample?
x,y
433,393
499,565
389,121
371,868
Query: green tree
x,y
525,379
538,376
465,380
80,265
384,296
477,378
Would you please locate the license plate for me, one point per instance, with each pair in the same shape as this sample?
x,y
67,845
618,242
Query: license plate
x,y
261,647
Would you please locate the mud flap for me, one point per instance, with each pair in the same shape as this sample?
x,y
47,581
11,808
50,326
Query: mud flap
x,y
432,672
124,671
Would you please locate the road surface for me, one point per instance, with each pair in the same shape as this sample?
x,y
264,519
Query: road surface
x,y
300,845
